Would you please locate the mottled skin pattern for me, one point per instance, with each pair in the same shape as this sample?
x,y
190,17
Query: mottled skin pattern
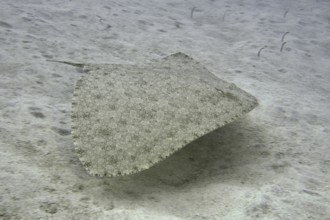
x,y
126,118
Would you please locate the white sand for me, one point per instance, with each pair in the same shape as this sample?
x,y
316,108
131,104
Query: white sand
x,y
272,164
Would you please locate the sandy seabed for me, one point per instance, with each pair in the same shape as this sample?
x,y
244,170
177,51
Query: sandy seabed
x,y
272,164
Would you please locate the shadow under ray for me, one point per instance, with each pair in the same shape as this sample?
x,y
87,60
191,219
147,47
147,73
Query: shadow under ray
x,y
220,153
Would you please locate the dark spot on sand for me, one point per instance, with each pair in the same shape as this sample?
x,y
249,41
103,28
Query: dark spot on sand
x,y
47,56
311,192
280,166
5,25
283,70
34,108
61,131
38,114
41,142
49,207
56,75
78,187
